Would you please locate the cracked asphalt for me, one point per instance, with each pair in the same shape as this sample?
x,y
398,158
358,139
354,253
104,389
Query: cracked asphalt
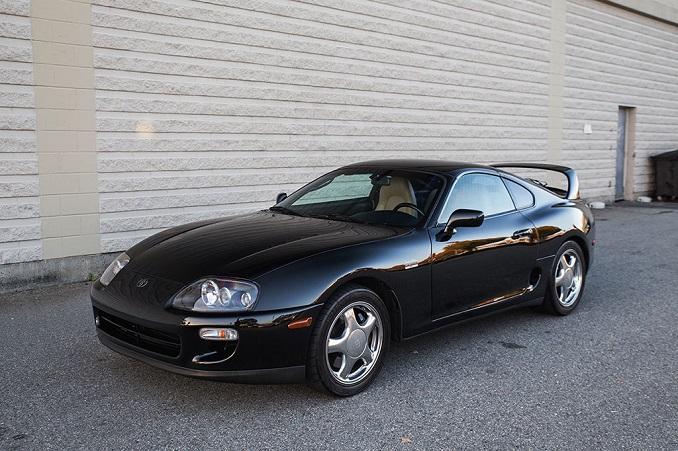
x,y
605,377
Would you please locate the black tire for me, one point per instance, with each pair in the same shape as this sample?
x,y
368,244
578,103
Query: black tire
x,y
552,304
318,374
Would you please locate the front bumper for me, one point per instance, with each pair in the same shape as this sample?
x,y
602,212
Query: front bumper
x,y
266,351
291,374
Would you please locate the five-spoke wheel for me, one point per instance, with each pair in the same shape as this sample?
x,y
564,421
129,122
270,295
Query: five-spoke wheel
x,y
354,342
567,279
349,341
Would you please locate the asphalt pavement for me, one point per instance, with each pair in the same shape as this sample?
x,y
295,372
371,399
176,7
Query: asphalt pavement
x,y
605,377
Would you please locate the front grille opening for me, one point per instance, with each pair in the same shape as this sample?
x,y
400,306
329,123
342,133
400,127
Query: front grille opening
x,y
140,336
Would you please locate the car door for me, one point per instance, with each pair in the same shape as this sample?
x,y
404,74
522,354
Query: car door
x,y
484,265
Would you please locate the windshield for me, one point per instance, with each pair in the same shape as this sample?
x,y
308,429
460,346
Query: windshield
x,y
369,196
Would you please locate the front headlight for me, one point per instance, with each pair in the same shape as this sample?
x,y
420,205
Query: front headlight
x,y
114,268
216,295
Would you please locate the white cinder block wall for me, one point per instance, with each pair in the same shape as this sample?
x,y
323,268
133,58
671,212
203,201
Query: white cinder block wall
x,y
206,108
616,57
19,189
211,108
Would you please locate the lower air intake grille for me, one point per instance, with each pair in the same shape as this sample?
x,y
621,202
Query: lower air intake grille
x,y
140,336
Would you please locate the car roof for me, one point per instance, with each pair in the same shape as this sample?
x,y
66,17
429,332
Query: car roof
x,y
429,165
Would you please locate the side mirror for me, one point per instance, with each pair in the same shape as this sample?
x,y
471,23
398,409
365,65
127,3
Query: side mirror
x,y
460,218
280,197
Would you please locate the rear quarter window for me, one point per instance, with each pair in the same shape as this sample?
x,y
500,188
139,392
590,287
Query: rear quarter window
x,y
522,197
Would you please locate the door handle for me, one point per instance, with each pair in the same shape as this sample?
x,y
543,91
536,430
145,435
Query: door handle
x,y
522,233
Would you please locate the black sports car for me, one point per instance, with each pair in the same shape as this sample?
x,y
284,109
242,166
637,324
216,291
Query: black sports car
x,y
314,288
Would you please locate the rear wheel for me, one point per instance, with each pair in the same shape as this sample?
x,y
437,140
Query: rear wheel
x,y
349,342
566,281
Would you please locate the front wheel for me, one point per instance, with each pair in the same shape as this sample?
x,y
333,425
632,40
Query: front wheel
x,y
566,281
349,342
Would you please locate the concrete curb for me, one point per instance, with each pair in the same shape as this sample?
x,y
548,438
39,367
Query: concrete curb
x,y
27,275
631,203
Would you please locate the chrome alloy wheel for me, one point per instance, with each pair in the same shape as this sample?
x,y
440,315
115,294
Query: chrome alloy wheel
x,y
569,277
354,342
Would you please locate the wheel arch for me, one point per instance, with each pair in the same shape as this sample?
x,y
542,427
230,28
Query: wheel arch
x,y
385,292
583,245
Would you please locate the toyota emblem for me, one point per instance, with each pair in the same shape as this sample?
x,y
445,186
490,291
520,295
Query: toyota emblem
x,y
142,283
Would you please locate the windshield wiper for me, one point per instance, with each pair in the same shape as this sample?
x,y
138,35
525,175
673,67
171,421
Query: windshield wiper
x,y
285,210
338,217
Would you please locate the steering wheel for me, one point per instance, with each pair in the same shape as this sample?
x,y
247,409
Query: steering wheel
x,y
408,205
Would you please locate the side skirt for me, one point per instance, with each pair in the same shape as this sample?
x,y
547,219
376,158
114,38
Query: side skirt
x,y
471,314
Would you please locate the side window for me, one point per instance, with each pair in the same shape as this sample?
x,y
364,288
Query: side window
x,y
483,192
522,197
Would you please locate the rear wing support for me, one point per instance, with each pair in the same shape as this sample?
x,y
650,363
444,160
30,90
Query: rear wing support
x,y
570,174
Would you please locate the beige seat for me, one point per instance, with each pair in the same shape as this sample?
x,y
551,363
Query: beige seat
x,y
398,191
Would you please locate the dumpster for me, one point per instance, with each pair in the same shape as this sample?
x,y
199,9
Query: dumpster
x,y
666,170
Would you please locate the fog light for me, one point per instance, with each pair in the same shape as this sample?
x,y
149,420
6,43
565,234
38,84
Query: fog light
x,y
97,321
221,334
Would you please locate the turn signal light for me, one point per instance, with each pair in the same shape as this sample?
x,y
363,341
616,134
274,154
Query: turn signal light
x,y
220,334
300,323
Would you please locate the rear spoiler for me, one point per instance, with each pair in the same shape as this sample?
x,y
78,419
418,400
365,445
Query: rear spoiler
x,y
572,180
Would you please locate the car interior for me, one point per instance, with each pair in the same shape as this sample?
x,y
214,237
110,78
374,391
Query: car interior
x,y
394,198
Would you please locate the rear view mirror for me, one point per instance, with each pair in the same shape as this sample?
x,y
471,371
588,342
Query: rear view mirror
x,y
381,180
460,218
280,197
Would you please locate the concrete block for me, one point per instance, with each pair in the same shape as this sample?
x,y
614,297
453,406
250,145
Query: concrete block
x,y
64,98
22,252
68,183
72,225
19,208
66,141
69,204
69,162
13,166
61,10
79,203
81,245
52,248
24,187
67,120
61,32
15,7
19,230
63,76
30,274
62,54
60,226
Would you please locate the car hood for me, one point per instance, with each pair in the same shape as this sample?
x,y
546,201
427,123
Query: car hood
x,y
243,246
